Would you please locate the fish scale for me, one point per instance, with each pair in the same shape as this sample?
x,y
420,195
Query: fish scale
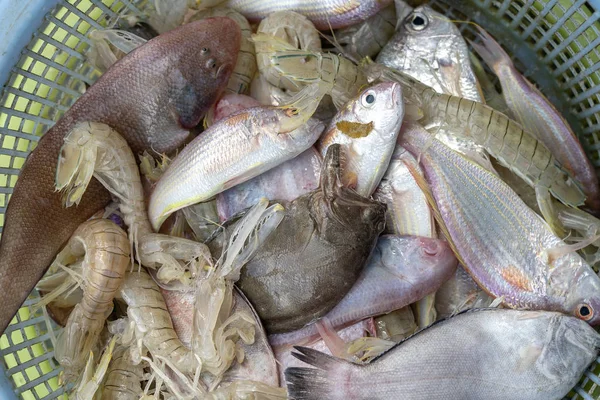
x,y
500,240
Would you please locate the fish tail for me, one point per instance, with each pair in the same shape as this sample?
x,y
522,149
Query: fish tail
x,y
490,51
329,380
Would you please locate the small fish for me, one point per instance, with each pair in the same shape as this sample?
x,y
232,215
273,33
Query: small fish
x,y
367,128
428,47
231,152
400,271
316,254
287,181
328,14
538,116
505,246
490,354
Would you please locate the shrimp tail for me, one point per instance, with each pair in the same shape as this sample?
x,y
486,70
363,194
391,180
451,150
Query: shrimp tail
x,y
75,165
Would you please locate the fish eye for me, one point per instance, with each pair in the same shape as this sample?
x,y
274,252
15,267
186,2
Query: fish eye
x,y
584,312
368,99
418,21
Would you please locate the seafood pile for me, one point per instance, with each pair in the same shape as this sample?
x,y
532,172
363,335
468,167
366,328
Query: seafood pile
x,y
304,200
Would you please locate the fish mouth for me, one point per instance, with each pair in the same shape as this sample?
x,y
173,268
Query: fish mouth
x,y
223,67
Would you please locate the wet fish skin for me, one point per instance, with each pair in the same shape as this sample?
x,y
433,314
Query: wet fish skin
x,y
230,152
491,354
179,73
324,14
538,116
504,245
318,251
402,269
367,127
286,181
429,47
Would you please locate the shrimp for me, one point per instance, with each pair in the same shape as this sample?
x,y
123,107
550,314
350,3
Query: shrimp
x,y
93,148
245,67
504,139
215,329
294,31
123,379
307,67
105,251
91,379
149,324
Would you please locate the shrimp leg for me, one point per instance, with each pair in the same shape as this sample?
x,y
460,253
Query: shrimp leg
x,y
94,149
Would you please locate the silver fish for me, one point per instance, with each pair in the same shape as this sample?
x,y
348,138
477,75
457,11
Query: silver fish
x,y
505,246
538,116
232,151
429,47
367,128
490,354
400,271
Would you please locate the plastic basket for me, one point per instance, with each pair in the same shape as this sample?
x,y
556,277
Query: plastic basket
x,y
555,43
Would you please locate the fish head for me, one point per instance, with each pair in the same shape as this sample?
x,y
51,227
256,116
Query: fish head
x,y
581,286
377,111
415,250
203,57
338,205
426,25
578,343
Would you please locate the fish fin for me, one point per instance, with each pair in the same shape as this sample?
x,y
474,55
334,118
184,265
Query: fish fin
x,y
76,163
490,50
497,302
327,381
544,200
332,339
330,172
556,252
424,186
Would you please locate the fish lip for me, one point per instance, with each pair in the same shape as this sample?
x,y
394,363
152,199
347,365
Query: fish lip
x,y
221,68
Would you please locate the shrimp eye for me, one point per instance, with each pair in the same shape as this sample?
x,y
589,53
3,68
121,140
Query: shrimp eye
x,y
585,312
418,21
368,99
